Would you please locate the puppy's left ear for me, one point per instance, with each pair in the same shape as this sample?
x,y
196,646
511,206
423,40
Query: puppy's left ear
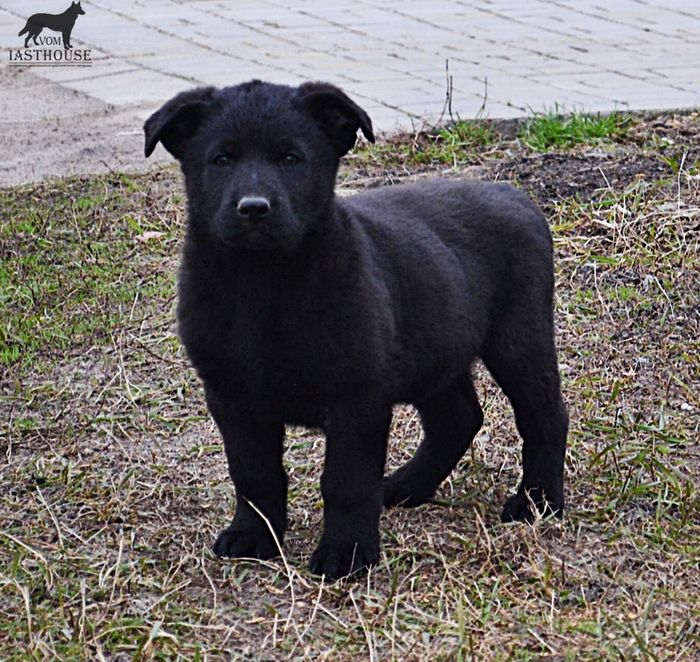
x,y
339,115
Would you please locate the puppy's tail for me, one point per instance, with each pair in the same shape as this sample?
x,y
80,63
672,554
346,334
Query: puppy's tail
x,y
24,29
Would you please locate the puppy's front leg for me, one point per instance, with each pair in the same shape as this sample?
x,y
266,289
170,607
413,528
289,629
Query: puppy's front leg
x,y
351,484
254,452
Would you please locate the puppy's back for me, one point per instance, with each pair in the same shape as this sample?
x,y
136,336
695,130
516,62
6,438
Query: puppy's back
x,y
476,220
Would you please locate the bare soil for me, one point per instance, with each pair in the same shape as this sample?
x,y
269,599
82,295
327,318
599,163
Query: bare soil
x,y
115,485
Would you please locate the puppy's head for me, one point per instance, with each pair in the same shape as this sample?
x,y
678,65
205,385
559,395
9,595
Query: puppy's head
x,y
259,160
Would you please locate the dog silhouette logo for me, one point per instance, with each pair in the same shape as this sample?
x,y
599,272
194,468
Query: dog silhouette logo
x,y
62,23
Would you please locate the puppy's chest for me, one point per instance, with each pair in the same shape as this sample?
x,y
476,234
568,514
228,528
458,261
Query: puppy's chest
x,y
281,351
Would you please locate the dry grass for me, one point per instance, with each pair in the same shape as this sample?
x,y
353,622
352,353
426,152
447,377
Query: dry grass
x,y
114,483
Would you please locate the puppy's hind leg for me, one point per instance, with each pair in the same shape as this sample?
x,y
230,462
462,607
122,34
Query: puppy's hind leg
x,y
450,420
523,362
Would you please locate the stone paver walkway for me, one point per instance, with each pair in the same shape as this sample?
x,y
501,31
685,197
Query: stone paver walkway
x,y
506,57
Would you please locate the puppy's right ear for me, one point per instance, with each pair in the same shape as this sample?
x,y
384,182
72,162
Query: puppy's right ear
x,y
178,120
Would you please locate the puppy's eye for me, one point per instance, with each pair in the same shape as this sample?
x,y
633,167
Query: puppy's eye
x,y
290,159
221,160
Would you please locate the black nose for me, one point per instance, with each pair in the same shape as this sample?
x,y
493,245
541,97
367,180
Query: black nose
x,y
253,208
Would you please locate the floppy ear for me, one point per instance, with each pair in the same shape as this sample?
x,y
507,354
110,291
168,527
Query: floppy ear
x,y
178,120
339,115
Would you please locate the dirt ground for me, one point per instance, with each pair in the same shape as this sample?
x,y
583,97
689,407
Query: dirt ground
x,y
42,120
115,483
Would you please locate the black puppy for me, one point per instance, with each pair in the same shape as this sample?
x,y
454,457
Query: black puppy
x,y
297,307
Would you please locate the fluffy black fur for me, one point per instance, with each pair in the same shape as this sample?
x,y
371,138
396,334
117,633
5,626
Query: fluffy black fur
x,y
297,307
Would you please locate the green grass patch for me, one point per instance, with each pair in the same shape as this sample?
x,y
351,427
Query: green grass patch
x,y
455,144
555,130
66,273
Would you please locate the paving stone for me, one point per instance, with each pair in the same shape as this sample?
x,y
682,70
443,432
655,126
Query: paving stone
x,y
390,54
139,86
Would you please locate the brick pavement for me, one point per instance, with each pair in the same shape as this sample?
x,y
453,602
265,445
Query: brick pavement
x,y
506,57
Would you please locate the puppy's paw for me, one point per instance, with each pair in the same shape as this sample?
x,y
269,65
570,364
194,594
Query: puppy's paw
x,y
519,507
235,542
404,493
336,560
